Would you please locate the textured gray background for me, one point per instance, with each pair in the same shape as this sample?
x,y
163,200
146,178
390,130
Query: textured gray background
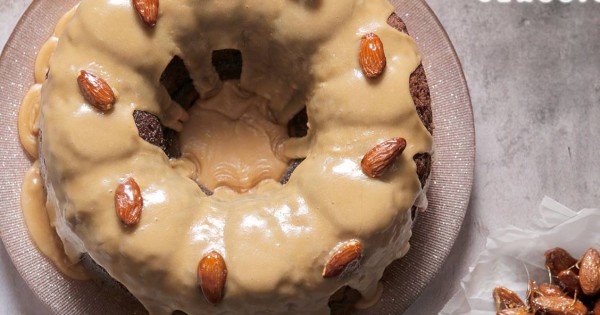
x,y
534,76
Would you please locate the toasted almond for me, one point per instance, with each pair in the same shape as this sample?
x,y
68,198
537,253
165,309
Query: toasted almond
x,y
555,305
589,272
382,156
129,202
548,289
596,309
96,91
372,55
147,10
558,259
345,259
212,274
569,280
507,298
515,311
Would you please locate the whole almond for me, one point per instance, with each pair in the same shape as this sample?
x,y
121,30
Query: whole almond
x,y
597,308
372,55
345,259
147,10
589,272
96,91
507,298
548,289
212,275
569,280
382,156
129,202
558,259
515,311
555,305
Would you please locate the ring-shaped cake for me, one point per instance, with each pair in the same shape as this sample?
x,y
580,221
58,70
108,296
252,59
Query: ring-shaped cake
x,y
255,245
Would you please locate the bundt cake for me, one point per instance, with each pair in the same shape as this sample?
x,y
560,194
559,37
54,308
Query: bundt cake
x,y
220,157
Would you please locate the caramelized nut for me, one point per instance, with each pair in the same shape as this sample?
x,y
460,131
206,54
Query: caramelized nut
x,y
129,202
212,275
372,56
554,305
345,259
96,91
382,156
147,10
507,298
589,272
569,280
558,259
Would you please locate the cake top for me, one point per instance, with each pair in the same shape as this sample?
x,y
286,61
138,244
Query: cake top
x,y
276,240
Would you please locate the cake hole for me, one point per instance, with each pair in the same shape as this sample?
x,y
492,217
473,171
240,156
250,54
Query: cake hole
x,y
231,138
176,79
298,125
228,63
311,4
297,128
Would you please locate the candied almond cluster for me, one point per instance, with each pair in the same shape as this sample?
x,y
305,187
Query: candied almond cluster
x,y
573,289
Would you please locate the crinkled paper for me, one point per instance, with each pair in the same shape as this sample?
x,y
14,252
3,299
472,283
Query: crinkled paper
x,y
514,255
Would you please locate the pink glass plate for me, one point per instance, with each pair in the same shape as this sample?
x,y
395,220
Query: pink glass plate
x,y
434,232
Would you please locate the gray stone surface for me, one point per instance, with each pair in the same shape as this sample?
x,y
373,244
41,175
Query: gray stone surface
x,y
534,77
534,74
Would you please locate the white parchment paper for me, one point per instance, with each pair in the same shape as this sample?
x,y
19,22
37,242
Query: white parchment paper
x,y
514,255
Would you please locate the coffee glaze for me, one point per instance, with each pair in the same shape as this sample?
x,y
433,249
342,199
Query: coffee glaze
x,y
275,239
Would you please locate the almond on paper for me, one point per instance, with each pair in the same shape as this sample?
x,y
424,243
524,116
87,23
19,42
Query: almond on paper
x,y
506,297
548,289
96,91
129,202
558,305
212,275
382,157
147,10
558,259
515,311
372,55
569,280
589,272
344,259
